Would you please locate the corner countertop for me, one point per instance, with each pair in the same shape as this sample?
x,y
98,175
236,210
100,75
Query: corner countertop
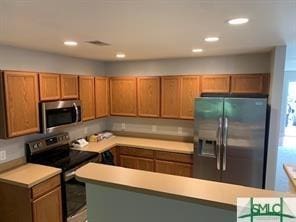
x,y
184,188
291,172
28,175
154,144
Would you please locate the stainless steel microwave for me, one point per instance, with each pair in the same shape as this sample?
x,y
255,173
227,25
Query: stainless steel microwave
x,y
58,114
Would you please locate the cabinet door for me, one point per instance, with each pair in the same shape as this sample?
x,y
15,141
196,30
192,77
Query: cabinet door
x,y
170,97
87,97
101,96
252,83
174,168
69,87
21,96
215,84
137,163
49,86
48,208
123,96
189,91
148,96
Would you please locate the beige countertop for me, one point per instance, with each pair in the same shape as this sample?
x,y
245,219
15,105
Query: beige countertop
x,y
28,175
291,172
201,191
154,144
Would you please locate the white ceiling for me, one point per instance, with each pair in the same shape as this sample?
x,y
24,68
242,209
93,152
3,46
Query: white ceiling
x,y
146,29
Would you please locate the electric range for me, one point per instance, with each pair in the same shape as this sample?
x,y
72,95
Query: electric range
x,y
56,151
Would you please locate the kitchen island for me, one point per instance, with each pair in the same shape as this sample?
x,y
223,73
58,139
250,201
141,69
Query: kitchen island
x,y
128,195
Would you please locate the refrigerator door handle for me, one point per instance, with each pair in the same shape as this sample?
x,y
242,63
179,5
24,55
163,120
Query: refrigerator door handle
x,y
219,143
225,135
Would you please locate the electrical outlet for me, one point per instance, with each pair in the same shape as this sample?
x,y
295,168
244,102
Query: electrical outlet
x,y
2,155
180,130
154,128
122,126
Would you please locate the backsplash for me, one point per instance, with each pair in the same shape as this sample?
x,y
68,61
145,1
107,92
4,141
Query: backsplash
x,y
171,127
15,148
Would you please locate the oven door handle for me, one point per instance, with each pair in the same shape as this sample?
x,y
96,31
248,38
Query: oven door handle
x,y
77,112
70,175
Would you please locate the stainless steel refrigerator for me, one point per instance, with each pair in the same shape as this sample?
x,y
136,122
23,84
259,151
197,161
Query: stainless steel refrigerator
x,y
229,140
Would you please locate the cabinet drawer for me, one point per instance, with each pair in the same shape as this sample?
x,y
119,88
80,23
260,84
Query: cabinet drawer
x,y
179,169
176,157
137,163
45,186
137,152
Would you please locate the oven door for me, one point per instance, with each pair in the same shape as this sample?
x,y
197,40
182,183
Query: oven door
x,y
75,198
60,114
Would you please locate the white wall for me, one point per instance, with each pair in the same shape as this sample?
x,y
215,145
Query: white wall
x,y
233,64
29,60
276,93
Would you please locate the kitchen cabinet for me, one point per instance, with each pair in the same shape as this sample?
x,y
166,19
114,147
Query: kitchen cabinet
x,y
123,96
49,86
252,83
41,203
148,96
215,84
170,96
156,161
174,168
137,163
189,91
19,103
101,96
87,97
69,87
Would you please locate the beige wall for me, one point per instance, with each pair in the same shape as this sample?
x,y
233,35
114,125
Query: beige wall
x,y
233,64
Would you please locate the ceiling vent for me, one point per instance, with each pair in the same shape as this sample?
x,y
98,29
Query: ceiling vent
x,y
98,43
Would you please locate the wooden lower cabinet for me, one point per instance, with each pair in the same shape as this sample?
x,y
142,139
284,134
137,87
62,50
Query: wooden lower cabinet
x,y
174,168
41,203
137,163
156,161
48,207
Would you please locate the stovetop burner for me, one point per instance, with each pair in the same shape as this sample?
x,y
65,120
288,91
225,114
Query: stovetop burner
x,y
56,152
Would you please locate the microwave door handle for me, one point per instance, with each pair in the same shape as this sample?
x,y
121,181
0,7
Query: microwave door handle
x,y
77,112
219,135
225,143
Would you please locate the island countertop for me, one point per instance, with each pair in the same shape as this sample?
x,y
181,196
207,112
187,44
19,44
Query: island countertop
x,y
201,191
291,172
153,144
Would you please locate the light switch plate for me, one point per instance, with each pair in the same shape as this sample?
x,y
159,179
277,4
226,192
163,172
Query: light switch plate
x,y
180,131
122,126
2,155
154,128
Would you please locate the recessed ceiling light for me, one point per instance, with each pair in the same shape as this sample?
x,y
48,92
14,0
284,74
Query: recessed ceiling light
x,y
120,55
197,50
212,39
238,21
70,43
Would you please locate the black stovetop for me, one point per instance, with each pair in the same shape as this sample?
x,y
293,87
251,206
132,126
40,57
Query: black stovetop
x,y
63,157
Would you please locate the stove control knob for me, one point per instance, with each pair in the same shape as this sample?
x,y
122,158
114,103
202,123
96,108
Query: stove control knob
x,y
35,146
40,145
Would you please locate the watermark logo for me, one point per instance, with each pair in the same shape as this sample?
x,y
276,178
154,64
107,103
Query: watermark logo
x,y
266,209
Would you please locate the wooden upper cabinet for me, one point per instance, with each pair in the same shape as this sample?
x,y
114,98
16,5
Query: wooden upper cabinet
x,y
101,96
87,97
49,86
69,87
21,96
123,96
170,96
215,84
148,96
252,83
189,91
